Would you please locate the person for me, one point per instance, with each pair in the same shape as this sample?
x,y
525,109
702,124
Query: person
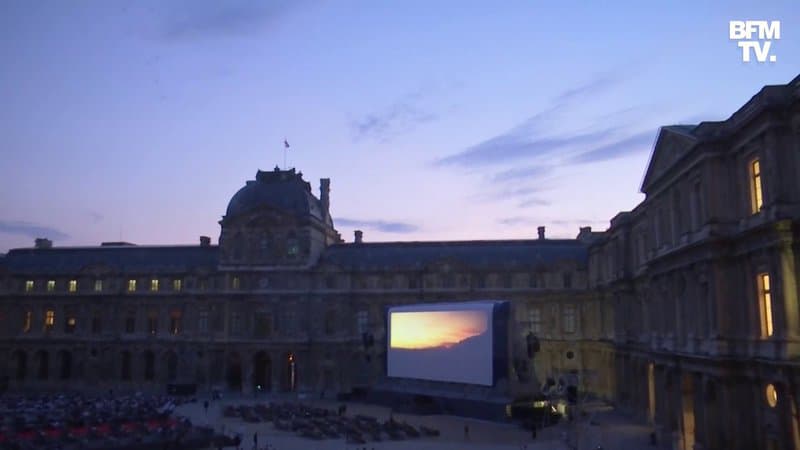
x,y
533,432
255,440
205,406
466,431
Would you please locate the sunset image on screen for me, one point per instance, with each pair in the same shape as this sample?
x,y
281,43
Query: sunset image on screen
x,y
435,329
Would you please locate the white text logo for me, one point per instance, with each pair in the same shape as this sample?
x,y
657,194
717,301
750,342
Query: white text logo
x,y
755,37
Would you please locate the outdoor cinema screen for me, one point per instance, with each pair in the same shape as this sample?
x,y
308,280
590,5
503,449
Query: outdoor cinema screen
x,y
449,342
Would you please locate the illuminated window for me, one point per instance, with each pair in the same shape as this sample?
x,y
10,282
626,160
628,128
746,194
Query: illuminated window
x,y
26,322
131,285
756,196
69,325
235,284
569,318
29,286
154,284
362,321
98,285
765,305
49,319
51,285
73,285
177,284
152,323
175,320
535,319
772,396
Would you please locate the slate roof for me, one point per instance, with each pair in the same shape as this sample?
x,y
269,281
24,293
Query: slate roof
x,y
129,259
475,254
280,189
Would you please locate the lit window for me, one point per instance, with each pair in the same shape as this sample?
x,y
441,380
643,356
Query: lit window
x,y
765,305
98,285
154,284
235,283
772,396
535,319
69,325
73,285
131,285
26,323
51,285
49,319
756,196
29,286
177,284
569,319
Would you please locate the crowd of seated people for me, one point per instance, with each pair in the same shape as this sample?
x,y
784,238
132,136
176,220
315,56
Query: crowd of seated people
x,y
76,421
319,423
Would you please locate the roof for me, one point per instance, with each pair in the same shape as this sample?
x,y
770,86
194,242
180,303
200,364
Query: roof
x,y
284,190
131,259
529,254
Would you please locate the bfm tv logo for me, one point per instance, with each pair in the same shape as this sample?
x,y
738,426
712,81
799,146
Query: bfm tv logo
x,y
743,31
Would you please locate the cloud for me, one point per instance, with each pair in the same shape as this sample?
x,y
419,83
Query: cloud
x,y
518,220
534,201
379,225
517,144
399,118
31,230
599,84
635,143
522,172
226,18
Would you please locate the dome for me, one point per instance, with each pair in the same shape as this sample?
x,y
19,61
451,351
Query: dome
x,y
284,190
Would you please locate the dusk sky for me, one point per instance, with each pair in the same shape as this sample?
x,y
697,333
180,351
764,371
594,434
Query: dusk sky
x,y
138,120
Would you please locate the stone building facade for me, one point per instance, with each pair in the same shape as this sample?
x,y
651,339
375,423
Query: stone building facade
x,y
702,276
281,304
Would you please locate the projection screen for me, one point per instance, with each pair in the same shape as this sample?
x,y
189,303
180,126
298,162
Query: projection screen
x,y
449,342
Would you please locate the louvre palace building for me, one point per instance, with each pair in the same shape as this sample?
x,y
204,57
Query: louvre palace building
x,y
684,312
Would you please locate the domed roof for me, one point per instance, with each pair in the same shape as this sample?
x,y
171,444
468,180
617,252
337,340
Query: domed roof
x,y
280,189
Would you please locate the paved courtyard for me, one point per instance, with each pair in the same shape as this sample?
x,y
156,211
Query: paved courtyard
x,y
606,428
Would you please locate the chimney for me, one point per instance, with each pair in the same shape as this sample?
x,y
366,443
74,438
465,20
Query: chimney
x,y
325,194
359,235
205,241
541,232
43,243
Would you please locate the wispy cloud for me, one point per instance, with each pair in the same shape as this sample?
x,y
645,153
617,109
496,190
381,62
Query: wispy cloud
x,y
518,220
401,117
534,201
598,84
515,174
639,142
379,225
29,229
232,18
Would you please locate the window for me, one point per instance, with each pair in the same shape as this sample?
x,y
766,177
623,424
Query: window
x,y
292,247
49,319
131,285
97,325
236,323
51,285
765,305
330,322
535,319
567,280
235,283
533,280
69,324
130,324
29,286
98,285
175,322
152,323
26,321
202,322
73,285
154,285
569,319
362,322
756,195
507,281
177,284
772,395
263,325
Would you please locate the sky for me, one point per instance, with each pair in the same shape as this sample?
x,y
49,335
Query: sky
x,y
448,120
